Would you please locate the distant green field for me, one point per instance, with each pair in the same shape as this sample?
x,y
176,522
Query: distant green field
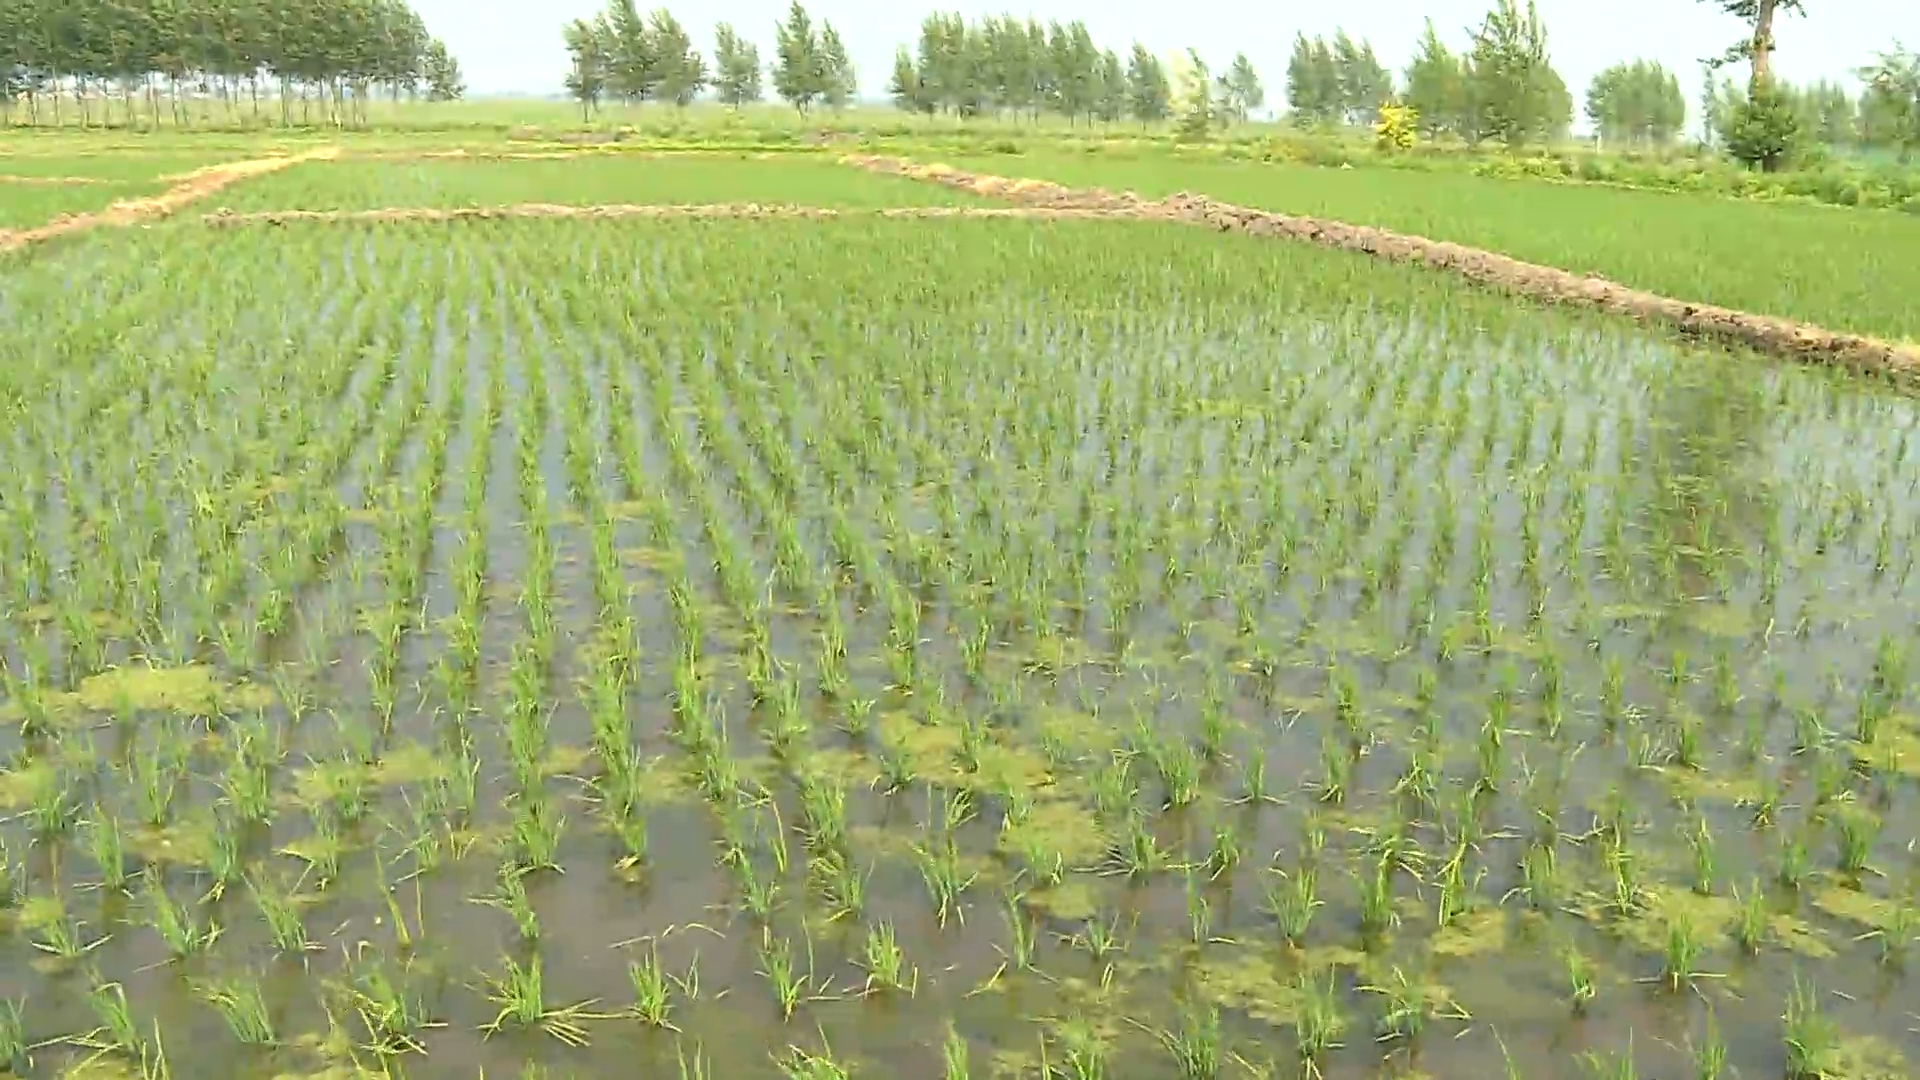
x,y
374,184
1843,269
23,206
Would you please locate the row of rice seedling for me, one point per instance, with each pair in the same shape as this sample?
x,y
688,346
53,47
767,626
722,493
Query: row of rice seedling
x,y
351,184
1000,648
1839,269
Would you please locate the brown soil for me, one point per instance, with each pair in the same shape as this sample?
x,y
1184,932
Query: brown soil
x,y
1763,333
189,188
228,218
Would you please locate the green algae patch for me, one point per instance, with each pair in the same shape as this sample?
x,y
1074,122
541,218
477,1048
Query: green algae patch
x,y
1857,906
1069,901
190,690
1479,932
1251,983
1060,827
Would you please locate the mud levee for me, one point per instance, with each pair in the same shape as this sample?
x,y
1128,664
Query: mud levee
x,y
231,219
1763,333
187,189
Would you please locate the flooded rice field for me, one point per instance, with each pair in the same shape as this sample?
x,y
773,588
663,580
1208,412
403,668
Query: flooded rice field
x,y
985,648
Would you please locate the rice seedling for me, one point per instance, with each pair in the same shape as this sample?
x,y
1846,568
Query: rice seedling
x,y
1579,974
13,1036
520,993
243,1008
1810,1036
1320,1022
652,991
954,1055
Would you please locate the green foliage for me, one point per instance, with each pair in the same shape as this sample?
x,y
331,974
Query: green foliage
x,y
1238,91
1000,65
1437,88
332,53
1516,95
633,57
1763,130
1336,82
1638,102
736,67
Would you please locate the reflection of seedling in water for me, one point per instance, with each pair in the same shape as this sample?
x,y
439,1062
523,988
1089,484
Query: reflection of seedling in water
x,y
1710,1053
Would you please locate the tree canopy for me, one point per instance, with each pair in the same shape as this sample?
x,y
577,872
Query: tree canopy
x,y
1638,102
332,53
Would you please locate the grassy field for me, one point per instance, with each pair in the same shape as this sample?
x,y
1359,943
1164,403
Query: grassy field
x,y
1004,648
1849,270
814,180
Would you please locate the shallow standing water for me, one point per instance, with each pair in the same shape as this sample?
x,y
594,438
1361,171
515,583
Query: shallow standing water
x,y
832,643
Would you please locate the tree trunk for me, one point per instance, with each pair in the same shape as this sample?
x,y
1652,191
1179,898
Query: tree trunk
x,y
1762,44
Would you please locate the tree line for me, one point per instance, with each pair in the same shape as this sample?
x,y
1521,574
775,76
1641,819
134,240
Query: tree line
x,y
86,60
622,54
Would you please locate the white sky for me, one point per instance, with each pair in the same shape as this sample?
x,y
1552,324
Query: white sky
x,y
506,46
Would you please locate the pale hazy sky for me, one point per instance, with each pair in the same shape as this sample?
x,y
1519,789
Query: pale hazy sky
x,y
514,46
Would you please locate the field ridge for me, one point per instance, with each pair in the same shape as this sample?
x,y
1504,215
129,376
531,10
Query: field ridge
x,y
188,188
1774,336
225,218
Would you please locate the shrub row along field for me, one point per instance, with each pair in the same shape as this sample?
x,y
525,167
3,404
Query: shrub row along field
x,y
1838,269
974,648
582,181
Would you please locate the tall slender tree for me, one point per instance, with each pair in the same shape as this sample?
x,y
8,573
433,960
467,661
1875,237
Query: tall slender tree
x,y
736,67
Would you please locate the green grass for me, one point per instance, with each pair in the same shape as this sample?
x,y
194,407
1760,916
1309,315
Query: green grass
x,y
1840,269
374,184
23,206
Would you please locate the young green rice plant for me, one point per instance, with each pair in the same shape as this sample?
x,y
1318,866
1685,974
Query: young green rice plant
x,y
953,1055
1253,777
1377,915
242,1006
1615,1066
1858,829
1223,851
1578,970
510,896
1680,959
1811,1037
840,882
885,962
520,993
1320,1021
178,925
14,1051
1700,843
652,990
1540,877
116,1033
1199,911
105,845
534,831
286,930
1336,771
1196,1043
945,876
790,987
796,1063
1020,933
1082,1047
1792,863
1750,923
1136,853
1710,1053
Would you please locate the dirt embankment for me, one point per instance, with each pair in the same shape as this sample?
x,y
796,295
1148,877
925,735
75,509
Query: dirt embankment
x,y
1763,333
187,189
229,218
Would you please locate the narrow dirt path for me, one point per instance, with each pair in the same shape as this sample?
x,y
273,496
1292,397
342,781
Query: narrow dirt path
x,y
187,189
1762,333
51,181
230,219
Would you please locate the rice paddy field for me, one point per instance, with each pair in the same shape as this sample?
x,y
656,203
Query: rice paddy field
x,y
972,648
1839,269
